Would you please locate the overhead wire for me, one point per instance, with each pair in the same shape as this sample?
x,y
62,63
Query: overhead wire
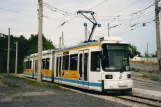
x,y
135,13
136,18
98,4
17,12
127,22
139,25
130,27
71,13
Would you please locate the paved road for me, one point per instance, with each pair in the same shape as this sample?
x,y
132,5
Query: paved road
x,y
144,67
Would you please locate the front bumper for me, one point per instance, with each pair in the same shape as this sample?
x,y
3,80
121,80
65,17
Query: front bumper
x,y
117,85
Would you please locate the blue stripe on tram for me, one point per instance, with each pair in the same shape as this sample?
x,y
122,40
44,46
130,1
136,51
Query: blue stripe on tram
x,y
94,84
80,82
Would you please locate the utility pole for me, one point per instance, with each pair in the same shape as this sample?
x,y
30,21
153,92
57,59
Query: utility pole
x,y
62,39
108,29
85,31
158,34
147,52
16,58
60,42
8,57
40,46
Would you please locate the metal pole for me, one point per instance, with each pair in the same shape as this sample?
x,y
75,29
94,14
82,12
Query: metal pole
x,y
16,58
108,29
8,57
62,39
40,46
85,30
147,52
158,34
60,42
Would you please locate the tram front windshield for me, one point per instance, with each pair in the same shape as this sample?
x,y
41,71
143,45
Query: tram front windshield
x,y
115,57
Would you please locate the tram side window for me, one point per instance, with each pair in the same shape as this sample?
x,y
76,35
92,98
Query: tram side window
x,y
65,62
36,65
95,61
26,65
73,62
43,64
30,64
47,63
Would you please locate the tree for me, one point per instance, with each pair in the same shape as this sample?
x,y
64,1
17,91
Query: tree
x,y
33,44
132,51
26,47
154,54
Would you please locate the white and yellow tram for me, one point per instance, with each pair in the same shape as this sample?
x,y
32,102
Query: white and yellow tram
x,y
98,65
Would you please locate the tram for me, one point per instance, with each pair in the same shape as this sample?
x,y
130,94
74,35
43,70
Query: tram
x,y
100,65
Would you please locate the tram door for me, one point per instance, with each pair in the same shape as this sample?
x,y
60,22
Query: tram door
x,y
58,67
83,68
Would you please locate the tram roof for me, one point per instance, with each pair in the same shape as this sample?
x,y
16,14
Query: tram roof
x,y
43,52
82,44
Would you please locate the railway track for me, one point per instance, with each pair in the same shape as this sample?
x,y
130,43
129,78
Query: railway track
x,y
145,101
133,100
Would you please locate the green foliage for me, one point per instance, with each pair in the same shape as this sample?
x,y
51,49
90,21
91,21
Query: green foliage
x,y
133,51
25,47
154,54
146,54
155,78
33,44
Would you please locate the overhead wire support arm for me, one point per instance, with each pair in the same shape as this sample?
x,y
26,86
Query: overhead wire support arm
x,y
93,21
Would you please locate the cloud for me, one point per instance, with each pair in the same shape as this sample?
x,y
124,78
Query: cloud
x,y
74,30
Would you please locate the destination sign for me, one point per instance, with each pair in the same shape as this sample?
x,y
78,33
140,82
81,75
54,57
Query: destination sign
x,y
117,47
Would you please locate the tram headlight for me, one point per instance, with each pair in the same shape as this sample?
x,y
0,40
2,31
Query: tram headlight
x,y
109,76
128,75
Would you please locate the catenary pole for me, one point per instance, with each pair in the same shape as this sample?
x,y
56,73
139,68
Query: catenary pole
x,y
85,31
62,39
158,34
60,42
16,61
8,56
108,29
40,46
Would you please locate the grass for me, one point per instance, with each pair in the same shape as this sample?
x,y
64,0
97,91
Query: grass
x,y
155,79
135,70
34,83
153,75
13,85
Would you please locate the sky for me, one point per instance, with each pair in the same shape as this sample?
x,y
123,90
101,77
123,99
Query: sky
x,y
22,17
